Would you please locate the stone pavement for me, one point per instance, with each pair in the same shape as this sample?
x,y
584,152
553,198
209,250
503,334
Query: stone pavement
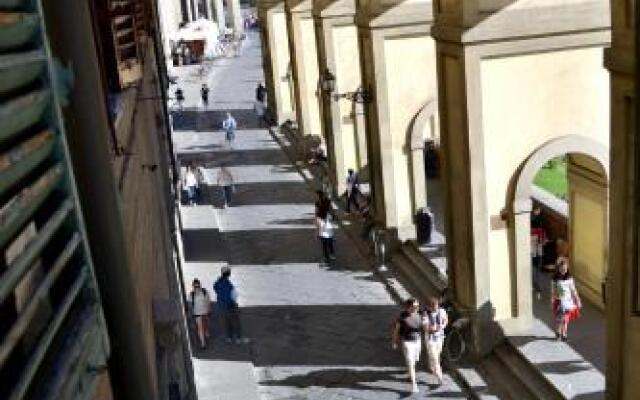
x,y
317,332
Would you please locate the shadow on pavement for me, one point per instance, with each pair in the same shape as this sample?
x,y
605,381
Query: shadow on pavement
x,y
212,155
264,193
200,119
264,247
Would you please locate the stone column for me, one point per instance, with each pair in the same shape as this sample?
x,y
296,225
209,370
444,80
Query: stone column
x,y
418,177
276,57
623,279
209,8
189,9
362,157
487,135
398,64
196,12
220,18
588,225
304,61
236,17
338,53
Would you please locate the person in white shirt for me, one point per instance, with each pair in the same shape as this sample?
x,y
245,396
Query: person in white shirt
x,y
435,320
565,301
191,184
200,303
326,227
225,181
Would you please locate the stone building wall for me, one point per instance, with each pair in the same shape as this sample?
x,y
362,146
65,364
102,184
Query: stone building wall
x,y
120,152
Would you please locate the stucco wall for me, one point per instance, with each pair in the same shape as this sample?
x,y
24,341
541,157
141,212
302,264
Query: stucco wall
x,y
527,100
279,52
412,57
306,50
347,72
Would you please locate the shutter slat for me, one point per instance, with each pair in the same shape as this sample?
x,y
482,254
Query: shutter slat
x,y
22,207
22,159
17,29
22,324
18,114
18,70
25,260
45,342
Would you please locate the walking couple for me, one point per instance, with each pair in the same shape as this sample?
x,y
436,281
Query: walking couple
x,y
227,305
407,334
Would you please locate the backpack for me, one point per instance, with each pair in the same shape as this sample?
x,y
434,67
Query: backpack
x,y
193,295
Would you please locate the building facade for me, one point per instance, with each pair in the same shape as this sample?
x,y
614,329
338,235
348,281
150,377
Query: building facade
x,y
501,87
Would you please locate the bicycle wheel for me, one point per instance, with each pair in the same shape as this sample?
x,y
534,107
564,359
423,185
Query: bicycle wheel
x,y
455,346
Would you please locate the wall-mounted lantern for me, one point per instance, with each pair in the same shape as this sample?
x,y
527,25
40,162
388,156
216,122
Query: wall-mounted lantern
x,y
327,82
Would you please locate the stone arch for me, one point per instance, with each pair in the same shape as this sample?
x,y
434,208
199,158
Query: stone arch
x,y
424,119
520,204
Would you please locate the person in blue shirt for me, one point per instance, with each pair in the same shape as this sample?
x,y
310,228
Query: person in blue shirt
x,y
227,302
229,126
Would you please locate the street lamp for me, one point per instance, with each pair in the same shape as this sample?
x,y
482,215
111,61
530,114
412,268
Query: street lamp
x,y
327,82
359,96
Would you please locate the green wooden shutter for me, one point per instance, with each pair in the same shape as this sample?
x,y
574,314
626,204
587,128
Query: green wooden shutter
x,y
53,338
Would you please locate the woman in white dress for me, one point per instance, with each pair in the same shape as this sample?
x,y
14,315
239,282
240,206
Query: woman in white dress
x,y
200,309
565,300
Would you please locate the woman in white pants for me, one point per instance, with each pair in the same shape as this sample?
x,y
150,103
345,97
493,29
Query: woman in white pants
x,y
435,320
407,333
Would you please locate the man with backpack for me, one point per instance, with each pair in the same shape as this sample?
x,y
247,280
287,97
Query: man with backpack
x,y
435,320
227,301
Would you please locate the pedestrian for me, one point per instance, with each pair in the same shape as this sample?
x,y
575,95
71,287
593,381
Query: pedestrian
x,y
536,217
353,190
435,321
538,241
229,126
200,309
326,230
201,183
261,93
227,301
322,204
225,181
204,93
180,98
565,300
407,334
187,55
191,184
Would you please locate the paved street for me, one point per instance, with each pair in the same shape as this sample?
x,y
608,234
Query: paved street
x,y
317,332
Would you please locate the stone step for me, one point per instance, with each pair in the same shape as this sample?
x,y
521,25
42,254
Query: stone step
x,y
518,375
504,383
424,268
409,277
477,385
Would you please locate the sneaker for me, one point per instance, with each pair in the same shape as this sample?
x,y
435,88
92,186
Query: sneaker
x,y
228,340
414,389
243,340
